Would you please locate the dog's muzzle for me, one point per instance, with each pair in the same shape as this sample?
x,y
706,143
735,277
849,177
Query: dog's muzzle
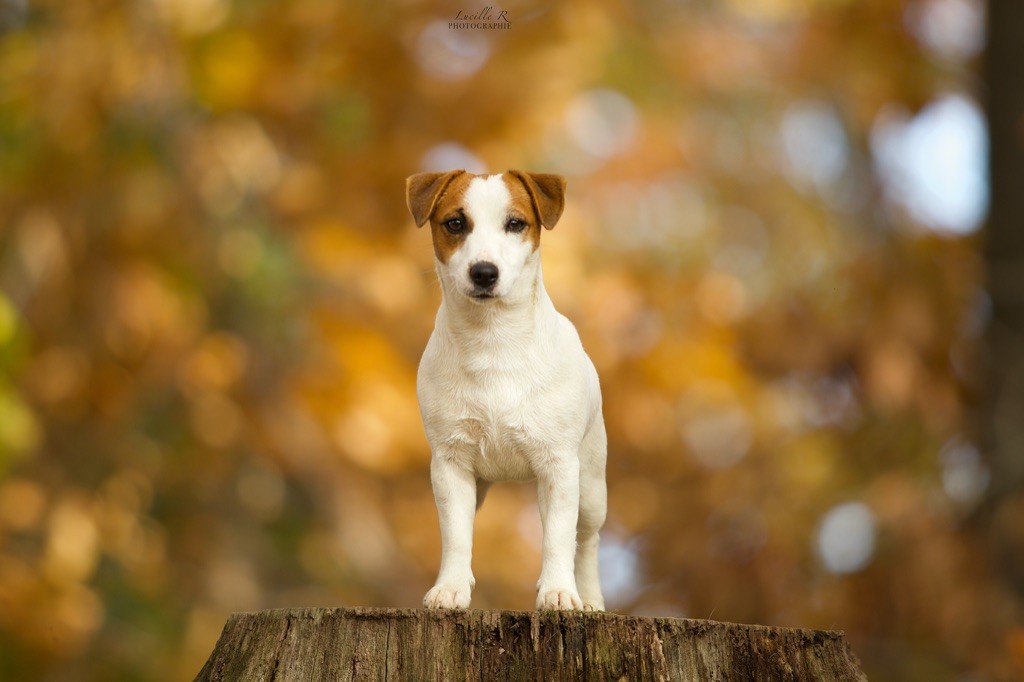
x,y
484,276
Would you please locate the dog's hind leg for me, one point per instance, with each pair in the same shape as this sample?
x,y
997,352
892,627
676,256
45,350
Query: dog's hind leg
x,y
593,507
482,487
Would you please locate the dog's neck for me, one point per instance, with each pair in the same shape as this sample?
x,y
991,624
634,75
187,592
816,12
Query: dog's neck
x,y
512,316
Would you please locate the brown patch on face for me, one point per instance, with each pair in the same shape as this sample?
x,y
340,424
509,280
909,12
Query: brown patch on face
x,y
522,207
450,205
537,199
546,195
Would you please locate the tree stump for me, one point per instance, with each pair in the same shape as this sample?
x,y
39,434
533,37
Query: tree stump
x,y
393,644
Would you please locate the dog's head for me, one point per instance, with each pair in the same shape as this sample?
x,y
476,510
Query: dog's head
x,y
485,227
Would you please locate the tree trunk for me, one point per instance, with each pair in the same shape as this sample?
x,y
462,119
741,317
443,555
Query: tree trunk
x,y
1002,428
393,644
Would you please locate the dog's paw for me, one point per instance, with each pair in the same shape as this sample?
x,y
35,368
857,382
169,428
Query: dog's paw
x,y
593,605
558,599
448,596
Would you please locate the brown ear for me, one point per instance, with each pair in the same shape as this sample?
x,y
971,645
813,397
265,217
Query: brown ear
x,y
423,190
547,192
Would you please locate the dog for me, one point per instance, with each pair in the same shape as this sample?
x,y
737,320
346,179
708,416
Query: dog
x,y
505,389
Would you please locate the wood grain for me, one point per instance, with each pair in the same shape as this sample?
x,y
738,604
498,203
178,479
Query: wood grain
x,y
393,644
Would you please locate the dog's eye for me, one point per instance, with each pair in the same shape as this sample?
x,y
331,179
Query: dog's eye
x,y
515,225
454,225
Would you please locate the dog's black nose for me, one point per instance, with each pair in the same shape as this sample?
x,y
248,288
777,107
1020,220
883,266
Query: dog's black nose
x,y
484,274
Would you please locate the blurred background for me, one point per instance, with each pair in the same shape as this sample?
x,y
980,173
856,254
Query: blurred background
x,y
214,301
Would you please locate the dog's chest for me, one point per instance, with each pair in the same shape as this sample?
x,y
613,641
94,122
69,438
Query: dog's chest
x,y
492,423
499,412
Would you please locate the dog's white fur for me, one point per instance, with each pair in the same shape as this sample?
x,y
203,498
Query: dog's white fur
x,y
507,392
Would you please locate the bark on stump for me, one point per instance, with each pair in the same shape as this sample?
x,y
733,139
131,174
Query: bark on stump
x,y
394,644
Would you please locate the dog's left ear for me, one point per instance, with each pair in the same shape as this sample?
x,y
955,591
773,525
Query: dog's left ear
x,y
423,190
547,192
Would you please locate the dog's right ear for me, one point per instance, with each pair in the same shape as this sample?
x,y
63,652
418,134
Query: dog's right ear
x,y
423,190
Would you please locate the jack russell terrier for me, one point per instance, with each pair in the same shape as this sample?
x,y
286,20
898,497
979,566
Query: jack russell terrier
x,y
505,388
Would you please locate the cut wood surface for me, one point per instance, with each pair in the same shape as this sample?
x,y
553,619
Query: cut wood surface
x,y
393,644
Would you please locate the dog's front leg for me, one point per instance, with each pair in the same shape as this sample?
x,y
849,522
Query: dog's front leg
x,y
455,496
558,494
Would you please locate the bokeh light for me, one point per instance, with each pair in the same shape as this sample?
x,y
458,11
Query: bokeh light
x,y
450,54
950,29
846,538
601,122
448,156
934,164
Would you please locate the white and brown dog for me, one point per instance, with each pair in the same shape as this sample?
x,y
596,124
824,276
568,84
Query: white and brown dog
x,y
505,388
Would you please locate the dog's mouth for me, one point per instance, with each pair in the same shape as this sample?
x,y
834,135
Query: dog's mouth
x,y
482,295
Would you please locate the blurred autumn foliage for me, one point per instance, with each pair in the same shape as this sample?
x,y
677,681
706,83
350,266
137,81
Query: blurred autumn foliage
x,y
213,304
